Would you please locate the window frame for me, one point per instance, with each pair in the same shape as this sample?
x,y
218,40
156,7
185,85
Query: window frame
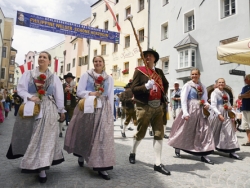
x,y
163,26
141,5
127,43
141,37
3,73
126,11
73,62
115,48
103,50
106,25
185,60
165,2
187,15
230,8
4,52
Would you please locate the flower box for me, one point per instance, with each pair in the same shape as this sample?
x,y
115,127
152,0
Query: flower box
x,y
126,71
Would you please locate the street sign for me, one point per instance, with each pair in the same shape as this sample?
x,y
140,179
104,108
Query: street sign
x,y
237,72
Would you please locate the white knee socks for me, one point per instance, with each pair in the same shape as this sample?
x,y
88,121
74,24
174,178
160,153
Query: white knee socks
x,y
135,145
157,148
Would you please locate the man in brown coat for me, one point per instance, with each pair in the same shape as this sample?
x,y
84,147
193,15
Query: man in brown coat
x,y
149,88
128,105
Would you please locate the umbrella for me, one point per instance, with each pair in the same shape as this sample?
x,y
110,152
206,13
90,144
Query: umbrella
x,y
236,52
119,83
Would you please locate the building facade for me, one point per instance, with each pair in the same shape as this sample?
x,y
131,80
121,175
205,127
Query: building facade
x,y
8,53
186,34
120,59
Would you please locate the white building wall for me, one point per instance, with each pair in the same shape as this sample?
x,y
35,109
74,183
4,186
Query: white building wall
x,y
209,30
130,54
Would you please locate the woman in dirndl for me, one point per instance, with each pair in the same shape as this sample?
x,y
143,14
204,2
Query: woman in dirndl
x,y
35,138
90,134
223,125
191,131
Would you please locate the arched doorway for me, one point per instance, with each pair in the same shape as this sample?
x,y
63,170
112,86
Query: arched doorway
x,y
227,88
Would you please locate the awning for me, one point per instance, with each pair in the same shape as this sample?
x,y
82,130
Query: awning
x,y
235,52
119,83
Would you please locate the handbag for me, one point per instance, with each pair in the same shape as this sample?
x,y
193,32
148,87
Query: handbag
x,y
35,112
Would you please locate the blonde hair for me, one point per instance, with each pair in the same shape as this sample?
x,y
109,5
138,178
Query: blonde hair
x,y
196,69
101,58
220,79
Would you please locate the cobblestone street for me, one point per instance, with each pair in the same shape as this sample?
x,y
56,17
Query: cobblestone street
x,y
186,172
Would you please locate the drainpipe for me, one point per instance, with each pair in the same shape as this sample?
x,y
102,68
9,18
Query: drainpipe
x,y
89,41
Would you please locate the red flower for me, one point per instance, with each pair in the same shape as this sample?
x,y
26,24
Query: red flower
x,y
126,71
199,88
101,89
41,92
225,106
225,97
41,77
99,80
202,102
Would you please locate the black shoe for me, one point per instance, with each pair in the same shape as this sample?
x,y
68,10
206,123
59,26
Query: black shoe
x,y
130,129
150,133
121,127
106,177
80,163
165,136
123,135
161,169
42,180
63,129
234,156
177,153
203,159
60,135
132,158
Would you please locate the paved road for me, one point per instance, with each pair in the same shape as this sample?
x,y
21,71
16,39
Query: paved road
x,y
187,172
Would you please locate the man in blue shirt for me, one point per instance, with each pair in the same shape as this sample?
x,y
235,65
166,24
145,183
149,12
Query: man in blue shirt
x,y
245,96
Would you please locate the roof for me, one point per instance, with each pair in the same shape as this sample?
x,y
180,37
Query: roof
x,y
187,41
13,49
96,3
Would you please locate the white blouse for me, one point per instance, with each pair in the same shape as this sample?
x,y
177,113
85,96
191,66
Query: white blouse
x,y
83,93
22,90
184,98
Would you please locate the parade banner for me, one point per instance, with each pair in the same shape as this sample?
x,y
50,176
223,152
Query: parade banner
x,y
66,28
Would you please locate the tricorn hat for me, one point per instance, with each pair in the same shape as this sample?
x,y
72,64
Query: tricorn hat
x,y
69,75
151,51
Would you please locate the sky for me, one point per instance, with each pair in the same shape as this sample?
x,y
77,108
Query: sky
x,y
28,39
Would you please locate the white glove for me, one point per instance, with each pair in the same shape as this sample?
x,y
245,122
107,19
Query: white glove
x,y
150,84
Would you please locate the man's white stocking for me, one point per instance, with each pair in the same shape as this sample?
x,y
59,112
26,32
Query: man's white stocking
x,y
157,148
135,145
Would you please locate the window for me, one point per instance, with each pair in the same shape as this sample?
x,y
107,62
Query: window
x,y
4,52
74,62
3,73
189,21
103,49
115,47
126,65
141,35
61,69
165,2
68,67
227,8
141,5
227,41
106,8
127,41
11,78
78,79
140,62
187,58
106,25
117,19
74,46
164,31
12,60
116,1
95,52
115,68
85,60
165,67
127,12
80,61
